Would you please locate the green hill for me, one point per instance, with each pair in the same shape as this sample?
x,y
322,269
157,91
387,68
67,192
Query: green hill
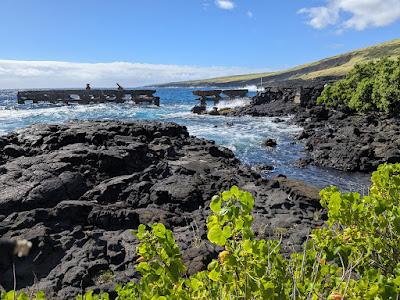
x,y
333,67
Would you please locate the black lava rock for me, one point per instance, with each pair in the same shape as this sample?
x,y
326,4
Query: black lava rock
x,y
76,190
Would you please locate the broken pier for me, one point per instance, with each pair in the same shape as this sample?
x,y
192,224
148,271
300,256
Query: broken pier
x,y
216,94
89,96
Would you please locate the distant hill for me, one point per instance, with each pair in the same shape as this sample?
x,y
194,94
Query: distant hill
x,y
326,69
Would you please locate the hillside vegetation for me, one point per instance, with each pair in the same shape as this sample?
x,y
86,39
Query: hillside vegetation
x,y
371,86
333,67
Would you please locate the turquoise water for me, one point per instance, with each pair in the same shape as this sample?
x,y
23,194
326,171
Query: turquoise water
x,y
243,135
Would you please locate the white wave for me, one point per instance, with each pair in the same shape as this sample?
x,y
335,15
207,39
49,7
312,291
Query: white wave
x,y
51,114
183,114
239,102
253,88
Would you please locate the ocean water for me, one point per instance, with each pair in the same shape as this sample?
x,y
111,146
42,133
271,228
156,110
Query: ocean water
x,y
243,135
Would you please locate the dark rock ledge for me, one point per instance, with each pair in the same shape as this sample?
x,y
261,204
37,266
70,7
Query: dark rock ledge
x,y
349,142
76,190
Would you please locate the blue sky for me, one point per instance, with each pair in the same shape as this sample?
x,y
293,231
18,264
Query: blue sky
x,y
189,38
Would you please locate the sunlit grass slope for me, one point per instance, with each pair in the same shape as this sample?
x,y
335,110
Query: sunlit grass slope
x,y
335,66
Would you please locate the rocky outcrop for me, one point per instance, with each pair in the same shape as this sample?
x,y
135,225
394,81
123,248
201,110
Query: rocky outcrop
x,y
349,142
278,101
76,190
270,143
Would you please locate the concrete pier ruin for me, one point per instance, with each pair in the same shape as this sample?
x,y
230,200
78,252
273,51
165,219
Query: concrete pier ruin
x,y
216,94
89,96
235,93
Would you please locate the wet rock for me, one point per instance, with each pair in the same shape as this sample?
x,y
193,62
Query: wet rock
x,y
278,120
261,168
199,109
270,143
225,111
214,112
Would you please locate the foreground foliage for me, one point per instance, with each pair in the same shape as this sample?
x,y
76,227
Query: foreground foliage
x,y
373,86
355,256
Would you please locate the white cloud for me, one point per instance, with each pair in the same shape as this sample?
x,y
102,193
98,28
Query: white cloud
x,y
51,74
250,14
225,4
354,14
321,17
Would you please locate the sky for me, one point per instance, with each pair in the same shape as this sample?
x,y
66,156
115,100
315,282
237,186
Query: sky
x,y
67,43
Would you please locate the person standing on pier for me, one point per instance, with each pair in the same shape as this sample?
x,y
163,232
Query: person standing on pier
x,y
88,88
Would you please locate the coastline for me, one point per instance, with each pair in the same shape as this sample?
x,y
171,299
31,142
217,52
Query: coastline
x,y
343,141
77,189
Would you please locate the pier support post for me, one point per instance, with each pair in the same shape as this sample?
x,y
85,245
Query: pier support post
x,y
19,99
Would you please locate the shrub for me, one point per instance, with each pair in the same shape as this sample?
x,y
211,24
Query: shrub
x,y
373,86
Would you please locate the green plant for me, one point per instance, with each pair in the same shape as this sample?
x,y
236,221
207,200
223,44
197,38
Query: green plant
x,y
356,254
247,268
363,235
372,86
91,296
12,295
160,264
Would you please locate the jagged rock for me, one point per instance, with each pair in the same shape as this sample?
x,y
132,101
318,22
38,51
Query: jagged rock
x,y
199,109
76,190
349,142
261,168
214,112
282,100
270,143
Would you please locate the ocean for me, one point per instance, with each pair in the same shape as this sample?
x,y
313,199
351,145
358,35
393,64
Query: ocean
x,y
243,135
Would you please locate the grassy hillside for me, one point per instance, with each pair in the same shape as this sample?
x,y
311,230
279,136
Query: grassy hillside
x,y
335,66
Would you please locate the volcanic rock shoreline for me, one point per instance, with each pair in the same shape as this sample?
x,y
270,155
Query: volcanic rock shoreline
x,y
345,141
76,190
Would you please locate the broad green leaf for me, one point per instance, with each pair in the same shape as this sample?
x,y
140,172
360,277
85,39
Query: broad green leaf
x,y
227,232
216,236
215,204
214,275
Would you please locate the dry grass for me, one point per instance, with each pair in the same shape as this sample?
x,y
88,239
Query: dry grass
x,y
334,66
